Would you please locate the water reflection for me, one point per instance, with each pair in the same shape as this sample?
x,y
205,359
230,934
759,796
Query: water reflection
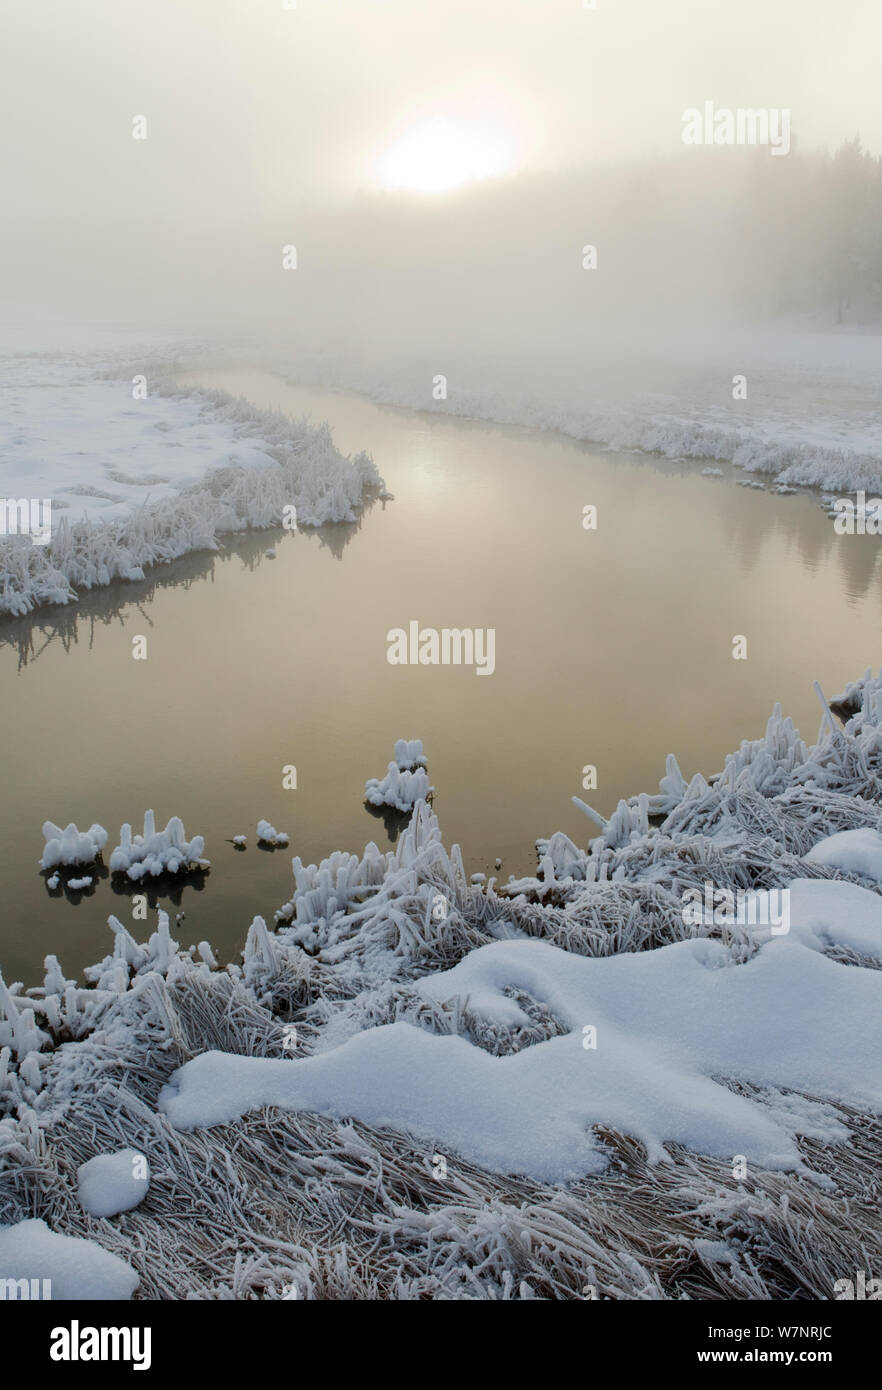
x,y
69,624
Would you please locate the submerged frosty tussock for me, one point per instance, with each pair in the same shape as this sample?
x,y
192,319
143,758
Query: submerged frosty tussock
x,y
71,846
157,852
406,781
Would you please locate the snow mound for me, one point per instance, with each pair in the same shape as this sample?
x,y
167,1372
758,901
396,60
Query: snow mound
x,y
268,835
853,851
71,846
663,1025
78,1269
157,852
111,1183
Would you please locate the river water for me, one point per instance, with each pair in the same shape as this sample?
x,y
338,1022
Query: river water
x,y
613,647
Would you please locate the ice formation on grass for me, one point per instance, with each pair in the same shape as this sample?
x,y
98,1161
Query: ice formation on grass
x,y
406,781
157,852
77,1269
418,1032
268,835
250,464
71,846
111,1183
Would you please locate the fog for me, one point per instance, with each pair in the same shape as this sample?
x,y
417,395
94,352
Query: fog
x,y
269,126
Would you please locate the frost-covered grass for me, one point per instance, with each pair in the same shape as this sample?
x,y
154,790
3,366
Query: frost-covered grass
x,y
135,483
810,417
351,1167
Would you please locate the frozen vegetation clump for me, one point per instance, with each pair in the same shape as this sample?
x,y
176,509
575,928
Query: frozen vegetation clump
x,y
268,835
70,846
157,852
414,1086
409,754
406,781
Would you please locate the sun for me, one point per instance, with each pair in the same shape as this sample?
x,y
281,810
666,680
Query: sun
x,y
439,156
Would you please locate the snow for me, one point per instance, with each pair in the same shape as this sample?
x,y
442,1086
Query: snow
x,y
79,1269
668,1023
137,482
111,1183
240,841
71,846
77,884
853,851
157,851
268,835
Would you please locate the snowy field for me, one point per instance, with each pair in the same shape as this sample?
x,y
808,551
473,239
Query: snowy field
x,y
135,480
416,1085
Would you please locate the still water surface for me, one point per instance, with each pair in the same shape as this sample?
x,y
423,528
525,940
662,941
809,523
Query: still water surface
x,y
613,647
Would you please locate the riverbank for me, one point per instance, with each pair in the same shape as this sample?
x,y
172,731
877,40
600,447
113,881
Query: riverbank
x,y
137,473
371,1167
788,404
140,472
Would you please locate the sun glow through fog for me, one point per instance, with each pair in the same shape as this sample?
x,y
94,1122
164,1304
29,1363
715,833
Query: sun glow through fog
x,y
439,156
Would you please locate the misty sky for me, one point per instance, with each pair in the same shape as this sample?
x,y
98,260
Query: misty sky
x,y
261,116
246,98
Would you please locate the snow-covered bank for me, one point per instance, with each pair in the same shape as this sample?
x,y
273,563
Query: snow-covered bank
x,y
135,482
409,1031
810,417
